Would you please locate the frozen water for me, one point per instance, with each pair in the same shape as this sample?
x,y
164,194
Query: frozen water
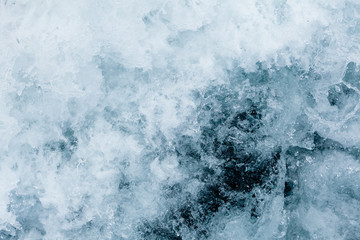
x,y
183,119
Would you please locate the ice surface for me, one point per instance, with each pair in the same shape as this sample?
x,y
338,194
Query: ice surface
x,y
183,119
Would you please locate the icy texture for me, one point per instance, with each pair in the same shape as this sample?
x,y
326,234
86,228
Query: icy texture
x,y
183,119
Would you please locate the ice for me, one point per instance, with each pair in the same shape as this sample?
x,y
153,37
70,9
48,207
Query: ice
x,y
185,119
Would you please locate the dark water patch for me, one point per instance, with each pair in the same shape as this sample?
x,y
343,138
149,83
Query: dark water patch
x,y
66,146
340,94
69,134
224,158
352,75
230,156
158,230
289,186
9,232
27,209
